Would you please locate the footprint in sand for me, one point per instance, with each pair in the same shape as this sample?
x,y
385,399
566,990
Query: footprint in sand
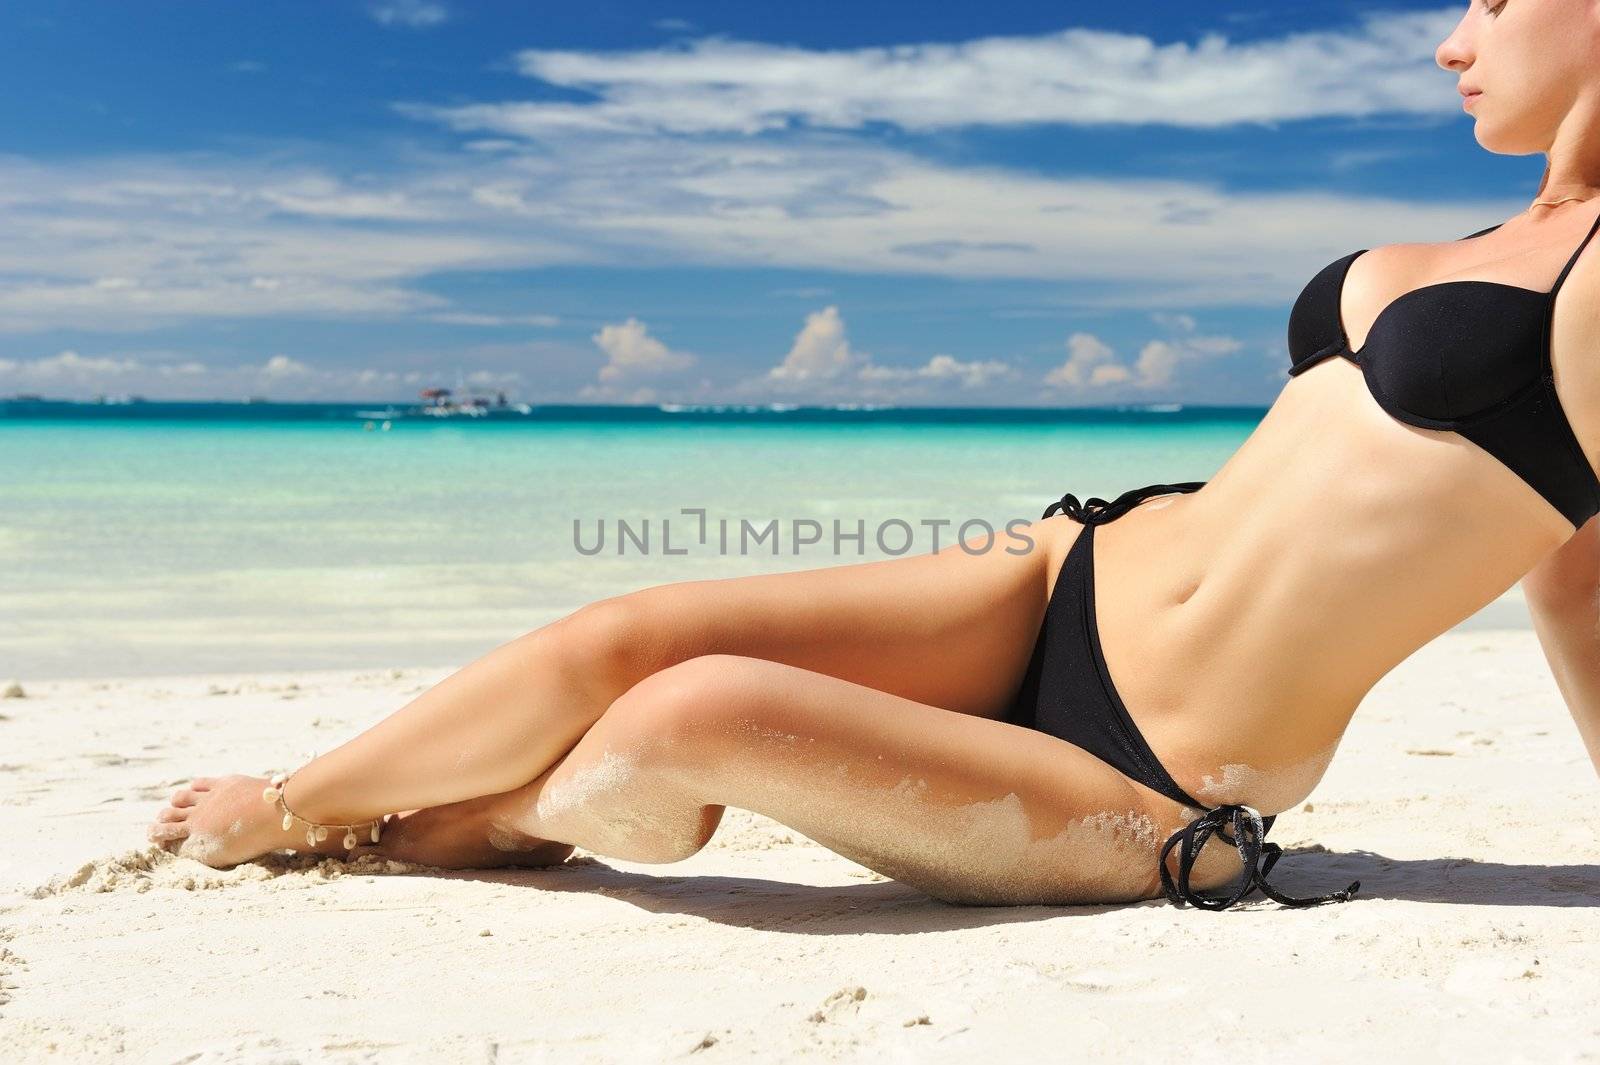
x,y
842,1004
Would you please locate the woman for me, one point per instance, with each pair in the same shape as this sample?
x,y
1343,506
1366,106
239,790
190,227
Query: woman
x,y
986,727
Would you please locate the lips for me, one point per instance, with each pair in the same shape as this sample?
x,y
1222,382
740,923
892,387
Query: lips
x,y
1468,96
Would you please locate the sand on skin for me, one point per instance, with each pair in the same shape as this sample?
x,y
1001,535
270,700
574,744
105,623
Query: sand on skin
x,y
1461,798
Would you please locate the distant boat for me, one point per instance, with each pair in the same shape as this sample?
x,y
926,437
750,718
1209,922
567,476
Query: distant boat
x,y
439,403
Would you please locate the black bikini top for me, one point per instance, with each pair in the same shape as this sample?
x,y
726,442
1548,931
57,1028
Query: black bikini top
x,y
1472,357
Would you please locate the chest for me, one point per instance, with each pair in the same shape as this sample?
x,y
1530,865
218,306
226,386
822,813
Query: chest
x,y
1511,367
1458,349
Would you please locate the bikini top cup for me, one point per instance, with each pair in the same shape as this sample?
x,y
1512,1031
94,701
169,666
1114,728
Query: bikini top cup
x,y
1472,357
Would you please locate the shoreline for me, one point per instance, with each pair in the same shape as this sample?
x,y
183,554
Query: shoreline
x,y
1461,797
1507,612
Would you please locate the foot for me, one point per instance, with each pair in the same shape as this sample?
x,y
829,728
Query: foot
x,y
463,835
223,821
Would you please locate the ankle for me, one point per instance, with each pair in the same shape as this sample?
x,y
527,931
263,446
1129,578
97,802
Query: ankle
x,y
316,832
321,792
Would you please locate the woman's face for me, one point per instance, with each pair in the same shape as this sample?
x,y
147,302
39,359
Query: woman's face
x,y
1535,63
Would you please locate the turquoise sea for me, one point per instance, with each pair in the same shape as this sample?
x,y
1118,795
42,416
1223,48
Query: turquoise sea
x,y
144,538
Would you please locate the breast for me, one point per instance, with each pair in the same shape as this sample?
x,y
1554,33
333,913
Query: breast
x,y
1314,320
1466,356
1455,351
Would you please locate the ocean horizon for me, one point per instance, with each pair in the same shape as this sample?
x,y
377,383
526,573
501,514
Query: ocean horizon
x,y
32,406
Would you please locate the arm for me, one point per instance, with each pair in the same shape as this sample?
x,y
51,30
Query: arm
x,y
1563,594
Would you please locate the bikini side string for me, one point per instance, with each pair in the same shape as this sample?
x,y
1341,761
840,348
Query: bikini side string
x,y
1249,831
1097,511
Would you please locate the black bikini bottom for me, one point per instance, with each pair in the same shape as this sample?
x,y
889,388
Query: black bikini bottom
x,y
1067,692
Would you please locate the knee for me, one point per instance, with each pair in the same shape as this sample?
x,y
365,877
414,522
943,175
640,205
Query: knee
x,y
693,711
606,644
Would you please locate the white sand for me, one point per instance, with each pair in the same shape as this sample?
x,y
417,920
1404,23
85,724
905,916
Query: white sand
x,y
1462,798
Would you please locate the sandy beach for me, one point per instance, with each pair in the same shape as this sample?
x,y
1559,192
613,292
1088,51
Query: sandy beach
x,y
1461,798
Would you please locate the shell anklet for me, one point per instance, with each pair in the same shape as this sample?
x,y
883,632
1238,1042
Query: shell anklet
x,y
315,833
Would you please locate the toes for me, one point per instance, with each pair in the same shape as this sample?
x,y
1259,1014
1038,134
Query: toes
x,y
166,832
171,814
190,795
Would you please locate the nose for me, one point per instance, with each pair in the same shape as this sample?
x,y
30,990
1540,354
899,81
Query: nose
x,y
1456,53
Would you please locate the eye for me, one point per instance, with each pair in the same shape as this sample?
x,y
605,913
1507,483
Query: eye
x,y
1492,8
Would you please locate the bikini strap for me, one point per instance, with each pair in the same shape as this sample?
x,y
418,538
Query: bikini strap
x,y
1481,232
1545,357
1249,832
1573,261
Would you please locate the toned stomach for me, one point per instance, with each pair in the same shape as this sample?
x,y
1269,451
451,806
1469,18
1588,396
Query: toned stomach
x,y
1243,624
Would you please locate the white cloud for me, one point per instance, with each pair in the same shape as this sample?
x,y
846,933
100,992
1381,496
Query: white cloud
x,y
136,242
1091,364
418,14
133,244
71,364
128,243
1155,364
822,366
284,366
608,394
167,375
123,306
319,196
976,373
469,318
631,352
493,379
1075,76
820,351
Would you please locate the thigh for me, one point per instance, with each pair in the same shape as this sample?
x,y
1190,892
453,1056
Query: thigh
x,y
954,628
961,807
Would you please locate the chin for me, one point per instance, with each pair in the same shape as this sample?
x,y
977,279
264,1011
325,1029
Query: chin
x,y
1508,136
1496,138
1487,141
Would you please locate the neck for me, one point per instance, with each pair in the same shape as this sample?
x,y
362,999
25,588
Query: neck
x,y
1552,200
1569,187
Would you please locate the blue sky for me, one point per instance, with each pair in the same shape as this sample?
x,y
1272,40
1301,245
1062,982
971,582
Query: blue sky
x,y
995,204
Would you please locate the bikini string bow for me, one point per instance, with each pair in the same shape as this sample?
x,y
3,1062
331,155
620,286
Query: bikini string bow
x,y
1097,511
1249,830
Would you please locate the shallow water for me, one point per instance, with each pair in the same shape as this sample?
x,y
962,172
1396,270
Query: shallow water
x,y
183,540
